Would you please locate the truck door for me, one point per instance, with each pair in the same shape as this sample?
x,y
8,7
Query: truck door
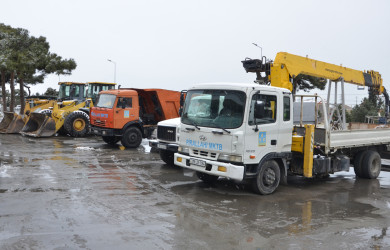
x,y
126,110
266,139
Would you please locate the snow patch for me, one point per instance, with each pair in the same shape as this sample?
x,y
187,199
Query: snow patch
x,y
3,171
86,149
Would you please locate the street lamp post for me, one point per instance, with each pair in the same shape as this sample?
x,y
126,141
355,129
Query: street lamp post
x,y
260,49
114,69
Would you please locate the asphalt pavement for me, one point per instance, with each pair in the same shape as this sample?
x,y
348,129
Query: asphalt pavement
x,y
79,193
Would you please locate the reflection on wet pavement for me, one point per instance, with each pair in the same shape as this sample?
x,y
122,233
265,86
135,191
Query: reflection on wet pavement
x,y
72,193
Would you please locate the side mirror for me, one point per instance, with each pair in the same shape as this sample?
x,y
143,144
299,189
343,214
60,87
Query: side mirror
x,y
259,109
180,111
182,97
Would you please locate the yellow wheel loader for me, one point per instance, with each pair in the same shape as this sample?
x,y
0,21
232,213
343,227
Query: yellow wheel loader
x,y
70,115
13,123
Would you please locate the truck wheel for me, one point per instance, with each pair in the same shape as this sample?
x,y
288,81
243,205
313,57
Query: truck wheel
x,y
357,163
207,178
132,138
112,140
371,165
167,156
77,123
268,178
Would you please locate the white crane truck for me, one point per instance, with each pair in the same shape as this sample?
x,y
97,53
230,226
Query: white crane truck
x,y
245,132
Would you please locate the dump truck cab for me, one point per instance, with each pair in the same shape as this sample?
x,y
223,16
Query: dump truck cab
x,y
132,114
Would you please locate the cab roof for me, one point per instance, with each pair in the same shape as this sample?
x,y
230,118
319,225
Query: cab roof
x,y
71,83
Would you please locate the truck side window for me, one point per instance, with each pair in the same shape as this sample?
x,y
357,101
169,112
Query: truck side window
x,y
269,108
125,102
286,108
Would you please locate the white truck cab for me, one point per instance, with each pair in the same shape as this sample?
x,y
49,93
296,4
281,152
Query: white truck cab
x,y
235,128
166,142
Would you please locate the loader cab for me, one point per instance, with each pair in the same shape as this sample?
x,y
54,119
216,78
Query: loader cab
x,y
93,89
71,91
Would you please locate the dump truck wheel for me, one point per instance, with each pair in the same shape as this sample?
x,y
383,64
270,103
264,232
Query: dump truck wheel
x,y
268,178
371,165
167,156
112,140
207,178
77,124
132,138
357,163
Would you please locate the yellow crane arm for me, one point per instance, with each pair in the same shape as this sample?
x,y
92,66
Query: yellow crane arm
x,y
286,66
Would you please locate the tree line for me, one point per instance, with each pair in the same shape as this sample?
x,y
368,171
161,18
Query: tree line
x,y
26,60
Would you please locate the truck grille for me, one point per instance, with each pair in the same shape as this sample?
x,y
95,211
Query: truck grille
x,y
99,123
204,154
166,133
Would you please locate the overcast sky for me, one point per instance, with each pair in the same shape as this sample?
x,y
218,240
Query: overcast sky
x,y
176,44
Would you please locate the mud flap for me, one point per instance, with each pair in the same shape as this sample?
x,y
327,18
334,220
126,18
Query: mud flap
x,y
39,125
12,123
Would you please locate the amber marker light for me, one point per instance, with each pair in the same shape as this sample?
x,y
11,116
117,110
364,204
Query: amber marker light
x,y
252,157
222,169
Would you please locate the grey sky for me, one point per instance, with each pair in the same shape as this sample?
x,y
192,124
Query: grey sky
x,y
176,44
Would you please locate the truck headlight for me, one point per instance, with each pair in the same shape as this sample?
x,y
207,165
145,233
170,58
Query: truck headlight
x,y
184,150
234,158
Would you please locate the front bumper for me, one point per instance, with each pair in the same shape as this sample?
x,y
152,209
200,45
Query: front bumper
x,y
163,145
233,172
102,131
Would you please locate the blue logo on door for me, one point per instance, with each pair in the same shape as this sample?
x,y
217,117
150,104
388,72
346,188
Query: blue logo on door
x,y
262,139
127,113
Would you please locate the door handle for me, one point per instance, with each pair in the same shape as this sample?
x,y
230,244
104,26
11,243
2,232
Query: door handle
x,y
273,142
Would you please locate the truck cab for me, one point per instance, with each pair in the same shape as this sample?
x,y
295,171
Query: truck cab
x,y
128,115
228,129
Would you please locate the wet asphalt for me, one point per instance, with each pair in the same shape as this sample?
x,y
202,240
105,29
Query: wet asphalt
x,y
79,193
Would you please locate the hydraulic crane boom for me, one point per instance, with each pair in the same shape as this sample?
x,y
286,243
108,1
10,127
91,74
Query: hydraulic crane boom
x,y
287,66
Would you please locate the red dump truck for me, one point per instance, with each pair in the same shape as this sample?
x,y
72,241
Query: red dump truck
x,y
130,114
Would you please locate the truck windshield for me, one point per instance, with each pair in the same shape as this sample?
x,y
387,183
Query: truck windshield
x,y
106,101
214,108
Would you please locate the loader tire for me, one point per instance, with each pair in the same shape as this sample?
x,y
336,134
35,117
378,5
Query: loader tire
x,y
111,140
46,112
132,137
77,124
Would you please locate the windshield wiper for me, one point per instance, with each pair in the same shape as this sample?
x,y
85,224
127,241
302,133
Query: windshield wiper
x,y
224,129
195,125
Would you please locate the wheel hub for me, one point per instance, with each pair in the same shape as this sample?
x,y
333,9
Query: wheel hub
x,y
269,176
79,124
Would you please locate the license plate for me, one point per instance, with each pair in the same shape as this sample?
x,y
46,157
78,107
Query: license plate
x,y
197,162
162,146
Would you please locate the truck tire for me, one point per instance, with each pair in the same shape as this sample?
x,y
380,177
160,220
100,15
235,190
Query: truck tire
x,y
132,137
371,165
77,123
167,156
357,163
207,178
267,178
112,140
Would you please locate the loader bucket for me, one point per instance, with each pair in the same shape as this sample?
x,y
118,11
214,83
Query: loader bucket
x,y
12,123
39,125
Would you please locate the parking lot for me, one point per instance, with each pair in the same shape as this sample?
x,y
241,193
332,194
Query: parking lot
x,y
79,193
